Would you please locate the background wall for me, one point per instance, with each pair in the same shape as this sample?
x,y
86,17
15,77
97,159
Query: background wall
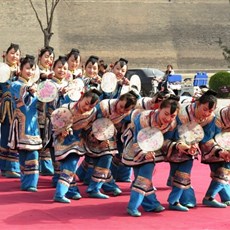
x,y
149,33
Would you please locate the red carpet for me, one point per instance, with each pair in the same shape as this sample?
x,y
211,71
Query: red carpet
x,y
23,210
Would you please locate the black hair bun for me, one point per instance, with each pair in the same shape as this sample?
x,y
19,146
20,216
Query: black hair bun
x,y
174,97
96,91
134,92
124,60
92,57
210,92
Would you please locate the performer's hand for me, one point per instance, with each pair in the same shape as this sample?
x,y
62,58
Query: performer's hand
x,y
150,155
50,75
98,79
225,155
104,144
193,149
125,81
63,90
183,147
65,133
32,89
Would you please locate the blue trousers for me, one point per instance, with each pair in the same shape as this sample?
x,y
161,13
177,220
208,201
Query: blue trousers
x,y
29,168
66,185
142,192
85,170
220,181
101,174
182,191
120,172
45,163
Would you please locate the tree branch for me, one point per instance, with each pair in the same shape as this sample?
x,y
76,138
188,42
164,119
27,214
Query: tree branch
x,y
47,13
39,21
52,14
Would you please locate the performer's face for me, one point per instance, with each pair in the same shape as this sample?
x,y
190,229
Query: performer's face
x,y
91,70
73,63
203,110
46,60
13,56
85,104
119,71
165,116
27,71
61,70
120,107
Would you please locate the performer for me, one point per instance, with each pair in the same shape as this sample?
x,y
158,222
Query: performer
x,y
24,132
152,103
102,152
102,68
90,76
143,163
92,80
223,118
74,61
45,63
9,164
69,145
60,68
213,154
180,155
223,122
120,172
119,68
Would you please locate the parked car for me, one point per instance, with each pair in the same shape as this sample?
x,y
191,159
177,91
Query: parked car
x,y
148,77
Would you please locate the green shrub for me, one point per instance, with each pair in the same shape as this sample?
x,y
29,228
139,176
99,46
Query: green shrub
x,y
220,82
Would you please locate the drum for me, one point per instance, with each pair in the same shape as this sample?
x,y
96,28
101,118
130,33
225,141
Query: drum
x,y
103,129
150,139
109,82
47,91
61,119
191,133
4,72
75,89
223,140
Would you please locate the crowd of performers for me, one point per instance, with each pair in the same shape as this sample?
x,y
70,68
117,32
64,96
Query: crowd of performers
x,y
30,146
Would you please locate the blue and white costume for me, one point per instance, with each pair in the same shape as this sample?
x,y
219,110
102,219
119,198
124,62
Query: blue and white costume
x,y
24,133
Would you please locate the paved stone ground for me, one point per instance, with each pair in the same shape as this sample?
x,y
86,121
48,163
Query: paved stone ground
x,y
146,32
223,102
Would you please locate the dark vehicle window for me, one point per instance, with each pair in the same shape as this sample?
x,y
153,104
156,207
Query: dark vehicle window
x,y
146,77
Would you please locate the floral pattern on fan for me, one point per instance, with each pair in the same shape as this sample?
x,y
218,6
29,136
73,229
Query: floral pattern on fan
x,y
191,132
150,139
61,118
75,89
103,129
47,91
223,140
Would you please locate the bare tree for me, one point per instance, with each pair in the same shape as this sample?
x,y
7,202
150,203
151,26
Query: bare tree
x,y
226,51
47,31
